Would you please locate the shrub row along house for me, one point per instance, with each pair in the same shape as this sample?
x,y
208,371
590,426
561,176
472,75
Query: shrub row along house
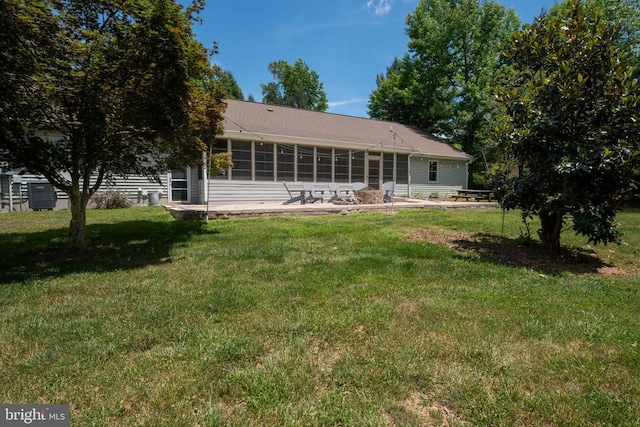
x,y
274,144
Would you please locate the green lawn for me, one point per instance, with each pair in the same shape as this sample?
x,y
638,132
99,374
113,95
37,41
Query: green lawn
x,y
357,320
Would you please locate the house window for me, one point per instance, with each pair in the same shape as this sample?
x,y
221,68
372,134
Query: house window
x,y
341,162
241,154
306,160
357,166
323,167
264,162
286,162
402,169
433,171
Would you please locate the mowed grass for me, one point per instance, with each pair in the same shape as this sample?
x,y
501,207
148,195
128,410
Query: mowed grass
x,y
314,321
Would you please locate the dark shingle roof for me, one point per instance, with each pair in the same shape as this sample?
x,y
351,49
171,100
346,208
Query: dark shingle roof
x,y
273,123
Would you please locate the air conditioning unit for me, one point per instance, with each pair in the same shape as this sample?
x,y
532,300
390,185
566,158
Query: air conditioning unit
x,y
42,195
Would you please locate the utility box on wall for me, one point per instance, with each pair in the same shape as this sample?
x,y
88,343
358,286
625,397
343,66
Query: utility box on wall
x,y
42,195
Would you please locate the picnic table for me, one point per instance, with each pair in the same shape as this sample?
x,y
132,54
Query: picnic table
x,y
476,195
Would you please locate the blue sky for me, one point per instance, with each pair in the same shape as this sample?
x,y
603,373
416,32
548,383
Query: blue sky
x,y
347,42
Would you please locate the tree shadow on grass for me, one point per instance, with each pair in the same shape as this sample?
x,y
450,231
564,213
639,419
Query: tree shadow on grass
x,y
118,246
511,252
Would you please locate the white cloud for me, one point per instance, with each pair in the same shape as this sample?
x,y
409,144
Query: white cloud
x,y
350,101
379,7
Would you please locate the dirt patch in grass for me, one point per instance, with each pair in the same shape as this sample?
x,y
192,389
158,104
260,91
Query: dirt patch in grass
x,y
427,411
513,253
423,411
325,358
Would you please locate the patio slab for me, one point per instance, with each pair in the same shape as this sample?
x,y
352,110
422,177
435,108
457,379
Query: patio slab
x,y
192,212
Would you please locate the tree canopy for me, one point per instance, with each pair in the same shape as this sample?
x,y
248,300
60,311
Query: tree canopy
x,y
446,84
93,89
572,125
227,83
623,13
295,86
403,95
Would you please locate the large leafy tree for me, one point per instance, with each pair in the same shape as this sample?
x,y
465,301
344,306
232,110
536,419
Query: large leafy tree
x,y
97,88
572,127
227,83
404,95
450,77
294,86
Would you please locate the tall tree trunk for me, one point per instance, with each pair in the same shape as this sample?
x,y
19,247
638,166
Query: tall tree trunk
x,y
551,227
78,202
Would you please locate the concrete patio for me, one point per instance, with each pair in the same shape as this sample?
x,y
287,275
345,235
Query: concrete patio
x,y
192,212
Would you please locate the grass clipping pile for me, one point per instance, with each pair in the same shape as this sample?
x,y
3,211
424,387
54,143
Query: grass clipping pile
x,y
513,253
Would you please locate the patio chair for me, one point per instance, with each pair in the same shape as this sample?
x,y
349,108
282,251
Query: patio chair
x,y
310,193
293,198
334,190
387,191
359,186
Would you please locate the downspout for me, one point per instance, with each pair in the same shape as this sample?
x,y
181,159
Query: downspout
x,y
10,176
205,175
206,159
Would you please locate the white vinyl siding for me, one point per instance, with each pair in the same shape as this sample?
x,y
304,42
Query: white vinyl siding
x,y
452,175
253,192
136,187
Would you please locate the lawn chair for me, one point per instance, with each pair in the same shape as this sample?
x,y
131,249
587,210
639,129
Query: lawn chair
x,y
293,198
387,191
359,186
334,190
310,193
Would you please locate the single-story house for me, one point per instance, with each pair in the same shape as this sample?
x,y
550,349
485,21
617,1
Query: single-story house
x,y
271,144
274,144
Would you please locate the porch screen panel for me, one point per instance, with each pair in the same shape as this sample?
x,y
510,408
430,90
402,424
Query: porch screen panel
x,y
241,155
387,167
341,166
402,169
323,168
305,163
220,146
285,158
357,166
264,162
